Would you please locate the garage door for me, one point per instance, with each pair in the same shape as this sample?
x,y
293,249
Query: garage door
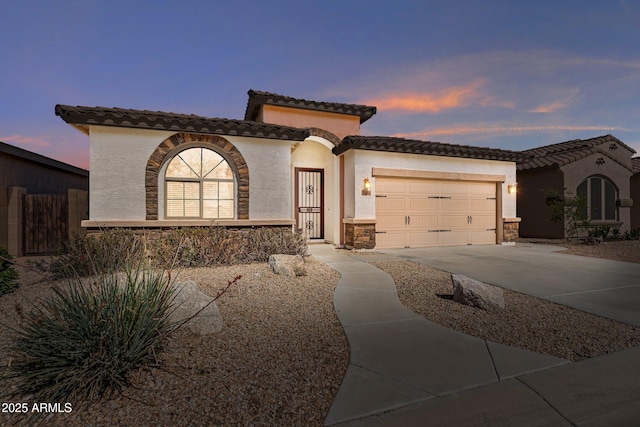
x,y
420,212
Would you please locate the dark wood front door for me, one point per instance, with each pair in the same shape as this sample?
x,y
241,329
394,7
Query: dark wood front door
x,y
310,202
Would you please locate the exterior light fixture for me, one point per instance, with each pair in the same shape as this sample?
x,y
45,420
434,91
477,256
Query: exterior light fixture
x,y
511,188
366,190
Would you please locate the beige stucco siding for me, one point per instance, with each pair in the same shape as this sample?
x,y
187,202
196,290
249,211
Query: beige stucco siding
x,y
119,157
339,124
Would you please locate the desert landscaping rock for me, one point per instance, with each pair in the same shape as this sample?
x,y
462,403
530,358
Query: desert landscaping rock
x,y
288,265
190,301
475,293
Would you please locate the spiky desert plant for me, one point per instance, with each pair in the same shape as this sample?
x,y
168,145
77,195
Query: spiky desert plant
x,y
87,339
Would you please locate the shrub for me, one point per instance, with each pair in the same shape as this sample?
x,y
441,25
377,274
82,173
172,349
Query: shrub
x,y
8,275
601,232
111,250
204,246
633,234
86,340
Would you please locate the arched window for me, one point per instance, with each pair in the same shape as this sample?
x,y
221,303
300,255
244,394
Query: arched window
x,y
601,198
199,183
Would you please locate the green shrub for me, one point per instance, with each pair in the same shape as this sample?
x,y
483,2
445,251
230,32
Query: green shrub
x,y
8,275
601,232
633,234
86,340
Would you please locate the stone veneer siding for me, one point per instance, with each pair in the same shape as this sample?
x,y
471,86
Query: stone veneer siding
x,y
510,231
160,155
360,236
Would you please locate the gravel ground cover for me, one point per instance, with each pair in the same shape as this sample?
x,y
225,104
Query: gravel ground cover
x,y
527,322
279,359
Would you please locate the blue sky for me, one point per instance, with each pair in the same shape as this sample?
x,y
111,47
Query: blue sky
x,y
503,74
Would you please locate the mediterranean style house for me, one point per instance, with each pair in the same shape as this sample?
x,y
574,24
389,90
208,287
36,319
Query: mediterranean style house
x,y
599,170
298,164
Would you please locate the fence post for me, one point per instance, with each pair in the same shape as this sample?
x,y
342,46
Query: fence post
x,y
78,210
14,220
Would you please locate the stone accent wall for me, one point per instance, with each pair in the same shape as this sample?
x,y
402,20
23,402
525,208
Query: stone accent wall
x,y
360,236
510,231
159,156
334,139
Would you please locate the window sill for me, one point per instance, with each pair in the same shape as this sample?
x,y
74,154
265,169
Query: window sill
x,y
186,223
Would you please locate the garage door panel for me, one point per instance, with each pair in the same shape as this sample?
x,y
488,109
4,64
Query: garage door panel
x,y
487,221
483,205
452,220
424,187
390,186
388,222
423,205
482,189
423,238
455,205
391,239
453,238
424,221
482,237
454,188
391,204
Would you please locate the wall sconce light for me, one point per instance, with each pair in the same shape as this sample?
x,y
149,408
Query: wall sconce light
x,y
511,188
366,190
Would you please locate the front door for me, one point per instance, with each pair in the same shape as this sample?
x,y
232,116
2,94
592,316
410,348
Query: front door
x,y
310,202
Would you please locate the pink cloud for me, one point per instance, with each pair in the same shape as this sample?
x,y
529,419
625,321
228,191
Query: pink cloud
x,y
431,102
499,130
27,142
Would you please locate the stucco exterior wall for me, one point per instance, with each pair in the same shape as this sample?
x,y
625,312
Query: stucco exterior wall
x,y
339,124
533,210
362,162
605,166
119,157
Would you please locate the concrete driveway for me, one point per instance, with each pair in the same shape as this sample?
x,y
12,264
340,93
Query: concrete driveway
x,y
603,287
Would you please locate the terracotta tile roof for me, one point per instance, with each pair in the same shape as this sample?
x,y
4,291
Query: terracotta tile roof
x,y
401,145
145,119
258,98
635,164
567,152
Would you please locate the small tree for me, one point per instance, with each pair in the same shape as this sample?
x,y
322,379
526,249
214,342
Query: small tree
x,y
568,209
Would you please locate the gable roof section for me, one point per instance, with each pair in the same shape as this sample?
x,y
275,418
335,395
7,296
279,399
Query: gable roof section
x,y
635,164
82,117
567,152
40,159
258,99
401,145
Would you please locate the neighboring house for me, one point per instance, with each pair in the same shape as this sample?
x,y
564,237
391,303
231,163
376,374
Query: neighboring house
x,y
635,193
293,163
42,201
597,169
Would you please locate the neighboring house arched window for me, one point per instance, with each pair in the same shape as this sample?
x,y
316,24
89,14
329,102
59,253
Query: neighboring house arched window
x,y
199,183
601,197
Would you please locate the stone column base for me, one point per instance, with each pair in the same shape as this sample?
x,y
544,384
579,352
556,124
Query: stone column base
x,y
359,234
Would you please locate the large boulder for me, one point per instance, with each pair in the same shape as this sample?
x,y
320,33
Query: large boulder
x,y
189,300
477,294
288,265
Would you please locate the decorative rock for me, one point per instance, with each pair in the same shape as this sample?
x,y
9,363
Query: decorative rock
x,y
189,300
288,265
477,294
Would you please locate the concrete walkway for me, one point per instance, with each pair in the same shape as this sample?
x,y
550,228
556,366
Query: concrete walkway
x,y
401,360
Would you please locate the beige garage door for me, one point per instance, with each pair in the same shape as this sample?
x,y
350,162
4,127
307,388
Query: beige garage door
x,y
420,212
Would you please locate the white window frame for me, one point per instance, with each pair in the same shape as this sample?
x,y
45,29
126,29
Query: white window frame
x,y
200,181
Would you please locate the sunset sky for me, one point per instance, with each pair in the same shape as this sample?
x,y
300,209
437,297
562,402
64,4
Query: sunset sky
x,y
496,73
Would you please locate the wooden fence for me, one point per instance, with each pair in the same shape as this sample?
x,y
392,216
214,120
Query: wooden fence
x,y
45,223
